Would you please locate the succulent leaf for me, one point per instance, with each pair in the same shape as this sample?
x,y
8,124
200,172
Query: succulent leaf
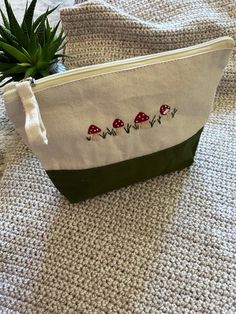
x,y
14,25
5,21
15,69
38,20
8,36
12,51
40,31
30,72
30,48
28,17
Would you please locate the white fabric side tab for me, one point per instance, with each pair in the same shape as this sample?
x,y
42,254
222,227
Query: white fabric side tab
x,y
34,127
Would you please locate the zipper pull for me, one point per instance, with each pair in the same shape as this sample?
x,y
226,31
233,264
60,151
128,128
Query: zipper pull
x,y
34,127
31,80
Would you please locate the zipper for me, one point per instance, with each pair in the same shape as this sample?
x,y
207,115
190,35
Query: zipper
x,y
125,64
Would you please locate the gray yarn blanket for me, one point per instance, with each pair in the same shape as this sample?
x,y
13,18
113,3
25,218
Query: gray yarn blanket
x,y
167,245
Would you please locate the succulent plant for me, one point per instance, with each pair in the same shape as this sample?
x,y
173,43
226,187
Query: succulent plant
x,y
29,49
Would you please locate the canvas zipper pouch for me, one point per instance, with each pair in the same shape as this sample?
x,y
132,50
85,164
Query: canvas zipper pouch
x,y
102,127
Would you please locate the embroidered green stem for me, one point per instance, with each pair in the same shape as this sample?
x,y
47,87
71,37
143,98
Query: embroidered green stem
x,y
103,135
159,119
173,112
153,121
142,123
135,126
128,127
111,132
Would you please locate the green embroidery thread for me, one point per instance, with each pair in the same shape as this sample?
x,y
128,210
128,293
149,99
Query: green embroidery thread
x,y
141,121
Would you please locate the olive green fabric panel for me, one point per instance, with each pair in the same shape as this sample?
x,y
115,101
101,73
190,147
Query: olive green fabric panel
x,y
79,185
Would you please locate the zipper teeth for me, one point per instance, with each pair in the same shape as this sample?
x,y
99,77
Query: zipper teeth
x,y
135,60
211,45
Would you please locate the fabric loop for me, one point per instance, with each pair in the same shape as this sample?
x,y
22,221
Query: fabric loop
x,y
34,127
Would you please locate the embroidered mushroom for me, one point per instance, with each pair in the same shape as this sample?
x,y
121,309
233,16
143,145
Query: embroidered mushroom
x,y
142,120
94,131
118,125
165,111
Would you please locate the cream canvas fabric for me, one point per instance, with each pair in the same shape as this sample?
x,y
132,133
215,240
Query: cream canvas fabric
x,y
187,84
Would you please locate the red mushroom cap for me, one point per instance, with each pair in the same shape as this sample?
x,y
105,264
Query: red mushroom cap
x,y
164,109
93,129
141,117
118,123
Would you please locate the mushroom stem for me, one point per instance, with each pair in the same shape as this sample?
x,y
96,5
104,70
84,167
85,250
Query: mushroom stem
x,y
95,137
168,116
119,131
145,125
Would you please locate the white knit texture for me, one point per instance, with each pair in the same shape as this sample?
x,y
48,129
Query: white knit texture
x,y
167,245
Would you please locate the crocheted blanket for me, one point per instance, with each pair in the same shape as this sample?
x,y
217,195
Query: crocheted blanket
x,y
167,245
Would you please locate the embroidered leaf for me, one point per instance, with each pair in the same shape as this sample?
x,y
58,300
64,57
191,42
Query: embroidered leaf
x,y
135,126
141,121
127,128
159,119
153,121
111,132
173,112
103,135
